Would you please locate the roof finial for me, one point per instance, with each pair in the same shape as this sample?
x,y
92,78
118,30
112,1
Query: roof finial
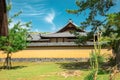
x,y
70,20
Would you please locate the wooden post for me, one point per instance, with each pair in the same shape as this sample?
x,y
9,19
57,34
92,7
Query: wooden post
x,y
3,19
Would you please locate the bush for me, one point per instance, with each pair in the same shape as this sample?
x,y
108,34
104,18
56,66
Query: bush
x,y
100,58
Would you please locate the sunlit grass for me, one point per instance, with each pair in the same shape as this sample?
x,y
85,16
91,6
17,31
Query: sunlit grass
x,y
45,71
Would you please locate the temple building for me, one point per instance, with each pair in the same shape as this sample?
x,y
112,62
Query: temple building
x,y
60,44
63,37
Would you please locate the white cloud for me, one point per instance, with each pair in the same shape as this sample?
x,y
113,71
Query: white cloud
x,y
33,14
29,9
49,19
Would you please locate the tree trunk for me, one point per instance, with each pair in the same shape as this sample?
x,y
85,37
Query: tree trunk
x,y
7,63
3,19
118,55
118,60
116,51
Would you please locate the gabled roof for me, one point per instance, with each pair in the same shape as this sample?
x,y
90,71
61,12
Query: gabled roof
x,y
70,27
66,31
36,38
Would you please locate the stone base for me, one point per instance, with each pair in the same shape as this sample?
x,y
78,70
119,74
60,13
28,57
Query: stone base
x,y
47,59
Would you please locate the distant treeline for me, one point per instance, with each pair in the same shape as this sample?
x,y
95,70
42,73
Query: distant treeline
x,y
39,32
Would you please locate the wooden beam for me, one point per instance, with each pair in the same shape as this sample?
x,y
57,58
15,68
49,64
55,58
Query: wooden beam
x,y
3,19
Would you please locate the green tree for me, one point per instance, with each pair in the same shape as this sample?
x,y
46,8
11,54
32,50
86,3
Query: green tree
x,y
16,39
109,25
92,9
111,34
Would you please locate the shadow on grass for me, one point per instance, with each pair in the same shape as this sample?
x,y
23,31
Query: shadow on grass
x,y
102,72
84,66
75,65
13,67
18,67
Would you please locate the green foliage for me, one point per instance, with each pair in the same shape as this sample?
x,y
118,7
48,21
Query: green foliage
x,y
114,19
82,39
96,59
112,26
90,75
111,31
93,56
94,9
9,7
109,25
16,39
10,19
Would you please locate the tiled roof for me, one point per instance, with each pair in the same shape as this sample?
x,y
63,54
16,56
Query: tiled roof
x,y
63,34
40,40
34,37
58,44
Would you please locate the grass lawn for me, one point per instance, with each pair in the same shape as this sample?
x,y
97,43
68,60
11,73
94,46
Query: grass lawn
x,y
48,71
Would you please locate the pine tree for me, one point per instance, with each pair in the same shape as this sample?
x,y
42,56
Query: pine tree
x,y
109,25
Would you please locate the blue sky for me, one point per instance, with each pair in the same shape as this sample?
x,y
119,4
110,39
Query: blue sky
x,y
48,15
